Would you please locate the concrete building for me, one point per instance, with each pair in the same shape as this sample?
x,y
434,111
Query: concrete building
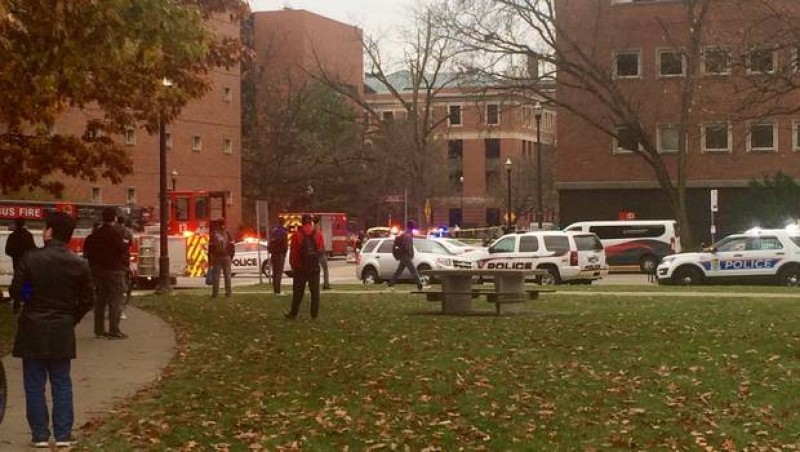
x,y
641,47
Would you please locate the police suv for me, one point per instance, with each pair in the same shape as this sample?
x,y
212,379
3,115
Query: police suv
x,y
567,257
246,259
758,255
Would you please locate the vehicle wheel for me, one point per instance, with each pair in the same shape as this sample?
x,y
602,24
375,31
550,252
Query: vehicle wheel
x,y
3,392
266,269
789,277
370,276
551,277
648,264
687,276
425,279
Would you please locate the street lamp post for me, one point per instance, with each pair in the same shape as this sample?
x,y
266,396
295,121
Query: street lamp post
x,y
539,211
461,208
508,173
164,286
174,179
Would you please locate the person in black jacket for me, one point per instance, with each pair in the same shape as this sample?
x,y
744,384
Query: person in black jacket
x,y
108,258
56,288
19,242
278,246
406,257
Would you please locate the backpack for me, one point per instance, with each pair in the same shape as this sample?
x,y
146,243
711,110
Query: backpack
x,y
277,241
219,243
309,254
398,250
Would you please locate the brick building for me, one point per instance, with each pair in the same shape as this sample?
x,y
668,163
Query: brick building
x,y
641,47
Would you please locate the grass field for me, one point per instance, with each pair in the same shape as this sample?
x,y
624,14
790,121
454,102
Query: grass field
x,y
382,372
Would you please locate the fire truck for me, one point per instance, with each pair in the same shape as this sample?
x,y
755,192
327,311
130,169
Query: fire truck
x,y
333,226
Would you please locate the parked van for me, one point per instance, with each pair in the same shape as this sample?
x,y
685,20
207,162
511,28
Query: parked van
x,y
635,242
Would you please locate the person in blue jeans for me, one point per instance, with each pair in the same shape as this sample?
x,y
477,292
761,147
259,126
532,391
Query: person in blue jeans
x,y
56,290
405,257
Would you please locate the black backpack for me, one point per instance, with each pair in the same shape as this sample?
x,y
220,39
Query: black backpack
x,y
398,250
219,243
277,241
309,254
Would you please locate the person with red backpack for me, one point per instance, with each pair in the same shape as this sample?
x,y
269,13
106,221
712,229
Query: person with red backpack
x,y
304,257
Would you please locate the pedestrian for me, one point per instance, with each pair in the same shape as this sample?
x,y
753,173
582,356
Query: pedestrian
x,y
19,242
123,227
278,246
323,258
61,294
304,257
404,252
220,255
107,255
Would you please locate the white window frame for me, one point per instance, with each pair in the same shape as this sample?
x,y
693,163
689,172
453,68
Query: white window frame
x,y
227,146
660,52
795,138
197,143
750,70
129,136
130,196
704,68
638,54
727,150
227,94
774,147
659,142
388,112
460,115
487,114
96,194
168,140
616,150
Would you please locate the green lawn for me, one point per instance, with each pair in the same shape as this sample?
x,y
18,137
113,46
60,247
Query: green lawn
x,y
378,371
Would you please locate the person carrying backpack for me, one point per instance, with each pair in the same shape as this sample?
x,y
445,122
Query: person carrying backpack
x,y
220,254
304,257
278,246
403,251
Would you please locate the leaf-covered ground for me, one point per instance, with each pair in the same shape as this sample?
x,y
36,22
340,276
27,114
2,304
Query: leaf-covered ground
x,y
381,372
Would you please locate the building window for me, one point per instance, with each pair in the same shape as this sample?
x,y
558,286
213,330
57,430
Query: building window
x,y
716,137
492,147
668,138
492,179
625,140
627,64
130,197
716,61
795,65
228,198
454,115
97,195
492,114
387,116
762,61
168,139
197,143
455,217
227,146
671,63
227,94
796,135
762,136
493,217
527,117
130,136
455,149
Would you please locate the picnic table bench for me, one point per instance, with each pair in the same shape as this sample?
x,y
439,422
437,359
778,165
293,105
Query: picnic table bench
x,y
457,291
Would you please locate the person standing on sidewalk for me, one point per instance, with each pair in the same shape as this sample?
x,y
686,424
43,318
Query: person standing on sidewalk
x,y
127,279
220,254
323,258
404,252
107,254
278,246
61,294
304,257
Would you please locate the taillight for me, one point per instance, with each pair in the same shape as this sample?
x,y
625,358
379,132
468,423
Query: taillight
x,y
573,258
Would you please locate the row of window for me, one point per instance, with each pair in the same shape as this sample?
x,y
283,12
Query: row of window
x,y
715,60
455,116
130,197
762,136
129,138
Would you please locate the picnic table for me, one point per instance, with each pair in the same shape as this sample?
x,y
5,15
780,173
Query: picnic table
x,y
457,291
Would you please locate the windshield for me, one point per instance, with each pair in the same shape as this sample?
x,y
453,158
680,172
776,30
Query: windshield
x,y
430,246
458,243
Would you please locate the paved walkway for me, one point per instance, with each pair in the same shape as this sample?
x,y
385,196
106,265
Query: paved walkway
x,y
105,372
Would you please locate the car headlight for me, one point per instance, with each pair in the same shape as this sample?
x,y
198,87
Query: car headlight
x,y
666,260
444,261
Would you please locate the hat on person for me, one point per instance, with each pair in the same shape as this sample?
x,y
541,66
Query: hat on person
x,y
410,225
307,219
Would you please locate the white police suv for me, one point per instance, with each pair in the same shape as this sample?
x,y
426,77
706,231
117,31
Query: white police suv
x,y
246,259
758,255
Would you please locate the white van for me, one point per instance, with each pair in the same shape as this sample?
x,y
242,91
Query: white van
x,y
634,242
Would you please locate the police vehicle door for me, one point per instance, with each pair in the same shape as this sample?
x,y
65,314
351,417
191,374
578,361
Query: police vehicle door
x,y
745,256
501,253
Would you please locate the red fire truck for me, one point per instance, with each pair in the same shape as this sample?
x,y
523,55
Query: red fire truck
x,y
333,226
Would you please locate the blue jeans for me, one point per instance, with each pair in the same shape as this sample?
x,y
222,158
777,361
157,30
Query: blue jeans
x,y
35,373
406,262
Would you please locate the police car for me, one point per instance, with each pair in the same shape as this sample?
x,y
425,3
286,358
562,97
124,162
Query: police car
x,y
246,260
566,257
758,255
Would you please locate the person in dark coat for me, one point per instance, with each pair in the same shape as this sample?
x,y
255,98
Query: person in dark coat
x,y
406,258
19,242
304,257
56,288
278,246
108,259
221,250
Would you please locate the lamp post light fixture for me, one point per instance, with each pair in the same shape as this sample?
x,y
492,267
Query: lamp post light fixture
x,y
508,173
174,179
461,208
164,286
538,109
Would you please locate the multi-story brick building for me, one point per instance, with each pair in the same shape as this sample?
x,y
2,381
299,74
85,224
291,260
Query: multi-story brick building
x,y
642,46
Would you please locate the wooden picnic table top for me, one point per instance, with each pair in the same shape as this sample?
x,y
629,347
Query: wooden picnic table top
x,y
482,272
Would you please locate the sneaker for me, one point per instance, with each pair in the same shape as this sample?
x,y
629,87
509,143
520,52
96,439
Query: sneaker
x,y
289,316
114,336
101,335
65,443
426,287
123,316
40,444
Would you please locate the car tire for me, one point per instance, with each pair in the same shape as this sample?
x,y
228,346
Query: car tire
x,y
551,277
266,269
687,276
648,264
425,279
370,276
789,276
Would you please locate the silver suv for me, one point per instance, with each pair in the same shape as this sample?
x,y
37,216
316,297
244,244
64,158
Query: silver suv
x,y
574,257
375,262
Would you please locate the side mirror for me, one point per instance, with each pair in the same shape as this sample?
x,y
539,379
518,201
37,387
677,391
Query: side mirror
x,y
709,249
